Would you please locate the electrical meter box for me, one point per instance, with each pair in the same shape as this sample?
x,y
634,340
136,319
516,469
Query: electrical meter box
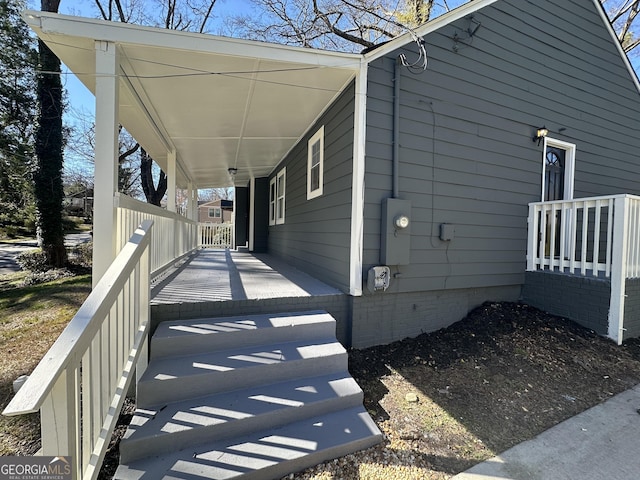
x,y
395,232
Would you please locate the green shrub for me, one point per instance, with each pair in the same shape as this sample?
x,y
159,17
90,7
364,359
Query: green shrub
x,y
33,261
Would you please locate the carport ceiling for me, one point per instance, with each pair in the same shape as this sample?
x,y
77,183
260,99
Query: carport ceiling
x,y
220,103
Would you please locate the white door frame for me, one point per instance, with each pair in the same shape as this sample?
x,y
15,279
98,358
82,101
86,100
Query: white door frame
x,y
569,166
569,177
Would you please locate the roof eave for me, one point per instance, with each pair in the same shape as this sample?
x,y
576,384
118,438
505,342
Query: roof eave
x,y
625,58
123,33
431,26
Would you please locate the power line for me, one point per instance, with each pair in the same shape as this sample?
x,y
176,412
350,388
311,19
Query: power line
x,y
194,72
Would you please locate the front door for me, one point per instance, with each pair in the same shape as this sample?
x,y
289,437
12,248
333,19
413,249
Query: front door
x,y
555,164
557,184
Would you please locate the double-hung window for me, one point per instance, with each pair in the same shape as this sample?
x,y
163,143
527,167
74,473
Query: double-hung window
x,y
315,164
277,187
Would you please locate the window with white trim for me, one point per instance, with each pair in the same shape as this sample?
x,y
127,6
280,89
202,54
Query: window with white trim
x,y
215,212
272,201
315,164
280,195
277,187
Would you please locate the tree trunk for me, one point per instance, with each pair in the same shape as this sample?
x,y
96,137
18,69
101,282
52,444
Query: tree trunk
x,y
49,145
154,195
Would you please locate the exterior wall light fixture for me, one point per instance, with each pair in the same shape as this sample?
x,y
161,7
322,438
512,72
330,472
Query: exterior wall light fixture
x,y
540,134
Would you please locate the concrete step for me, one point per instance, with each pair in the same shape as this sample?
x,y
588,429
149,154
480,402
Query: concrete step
x,y
188,337
230,414
267,454
172,379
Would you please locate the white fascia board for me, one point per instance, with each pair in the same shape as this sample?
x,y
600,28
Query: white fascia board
x,y
124,33
614,37
431,26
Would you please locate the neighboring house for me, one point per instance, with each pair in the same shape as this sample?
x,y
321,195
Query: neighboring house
x,y
79,203
216,211
418,155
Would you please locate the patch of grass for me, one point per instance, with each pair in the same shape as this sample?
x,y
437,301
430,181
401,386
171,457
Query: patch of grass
x,y
31,318
73,224
10,281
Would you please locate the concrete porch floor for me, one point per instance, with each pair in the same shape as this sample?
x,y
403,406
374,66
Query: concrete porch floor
x,y
224,275
224,283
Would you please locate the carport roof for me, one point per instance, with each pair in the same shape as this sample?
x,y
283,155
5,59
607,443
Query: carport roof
x,y
219,102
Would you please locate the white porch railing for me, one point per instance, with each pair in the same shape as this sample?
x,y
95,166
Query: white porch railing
x,y
175,235
215,235
80,384
587,236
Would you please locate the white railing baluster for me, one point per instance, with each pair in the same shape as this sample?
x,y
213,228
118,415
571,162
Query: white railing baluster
x,y
585,229
572,238
596,238
552,236
87,401
634,232
543,235
563,238
215,235
610,237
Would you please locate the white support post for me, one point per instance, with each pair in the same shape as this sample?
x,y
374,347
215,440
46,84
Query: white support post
x,y
195,214
189,208
252,211
618,268
59,418
171,181
357,186
106,158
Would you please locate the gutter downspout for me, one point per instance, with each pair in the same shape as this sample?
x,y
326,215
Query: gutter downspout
x,y
396,129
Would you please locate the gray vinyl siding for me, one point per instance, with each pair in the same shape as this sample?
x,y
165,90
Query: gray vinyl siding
x,y
316,234
466,152
632,308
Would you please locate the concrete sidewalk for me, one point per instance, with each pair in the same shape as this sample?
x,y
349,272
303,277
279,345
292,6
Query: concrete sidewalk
x,y
600,443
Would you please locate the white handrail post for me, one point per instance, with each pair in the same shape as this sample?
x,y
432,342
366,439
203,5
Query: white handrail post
x,y
145,314
59,419
618,268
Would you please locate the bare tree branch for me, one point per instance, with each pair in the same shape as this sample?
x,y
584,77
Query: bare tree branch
x,y
206,16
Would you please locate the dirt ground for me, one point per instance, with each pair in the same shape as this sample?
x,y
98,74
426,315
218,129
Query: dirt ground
x,y
450,399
